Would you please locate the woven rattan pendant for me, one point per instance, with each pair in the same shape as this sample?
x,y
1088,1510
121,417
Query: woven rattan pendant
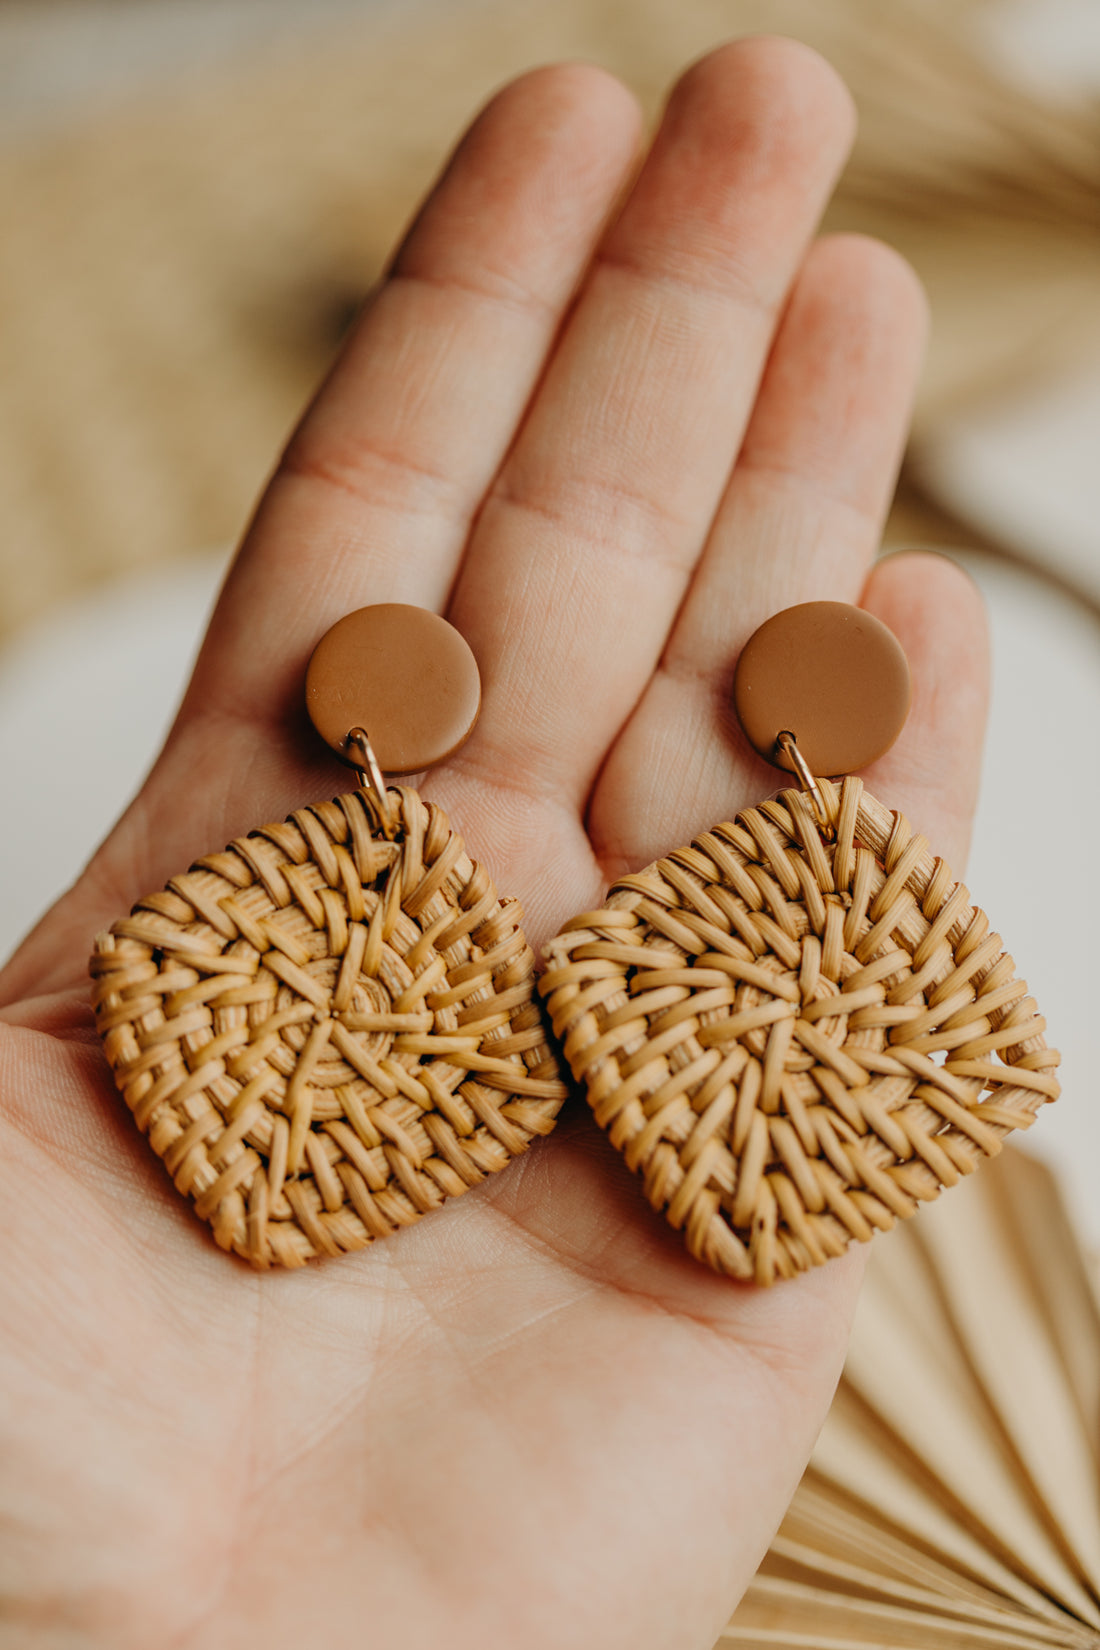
x,y
330,1027
799,1028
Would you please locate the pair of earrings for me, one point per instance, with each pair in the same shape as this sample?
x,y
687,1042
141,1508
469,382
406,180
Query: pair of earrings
x,y
795,1030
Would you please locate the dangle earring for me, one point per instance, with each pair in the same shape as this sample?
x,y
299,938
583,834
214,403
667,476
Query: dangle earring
x,y
799,1028
331,1026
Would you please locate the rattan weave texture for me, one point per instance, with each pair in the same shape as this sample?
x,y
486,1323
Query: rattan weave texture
x,y
794,1042
324,1033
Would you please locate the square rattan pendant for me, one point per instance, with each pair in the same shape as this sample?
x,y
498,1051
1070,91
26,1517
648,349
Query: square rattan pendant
x,y
800,1028
323,1031
331,1026
794,1043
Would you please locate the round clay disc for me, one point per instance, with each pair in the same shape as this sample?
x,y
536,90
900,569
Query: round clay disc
x,y
403,674
830,674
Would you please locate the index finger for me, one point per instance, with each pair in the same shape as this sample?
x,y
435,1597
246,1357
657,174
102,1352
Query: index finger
x,y
375,495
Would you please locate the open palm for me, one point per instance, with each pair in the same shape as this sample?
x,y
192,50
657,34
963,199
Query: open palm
x,y
607,434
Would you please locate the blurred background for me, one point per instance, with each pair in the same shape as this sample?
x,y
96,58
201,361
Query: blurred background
x,y
196,196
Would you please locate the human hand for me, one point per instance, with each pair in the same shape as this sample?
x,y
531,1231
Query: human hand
x,y
531,1419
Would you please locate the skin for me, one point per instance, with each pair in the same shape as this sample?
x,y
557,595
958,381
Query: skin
x,y
607,420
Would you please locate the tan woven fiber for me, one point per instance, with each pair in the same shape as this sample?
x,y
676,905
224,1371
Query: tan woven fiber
x,y
324,1033
796,1043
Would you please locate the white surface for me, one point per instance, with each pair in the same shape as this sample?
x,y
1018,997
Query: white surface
x,y
75,737
1036,821
1027,471
1050,46
71,726
73,57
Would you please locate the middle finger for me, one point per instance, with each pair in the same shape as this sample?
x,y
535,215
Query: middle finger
x,y
603,505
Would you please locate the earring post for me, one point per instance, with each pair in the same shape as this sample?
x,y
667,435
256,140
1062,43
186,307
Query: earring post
x,y
371,776
787,746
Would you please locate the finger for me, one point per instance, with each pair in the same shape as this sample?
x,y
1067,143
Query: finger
x,y
375,495
588,540
932,774
800,521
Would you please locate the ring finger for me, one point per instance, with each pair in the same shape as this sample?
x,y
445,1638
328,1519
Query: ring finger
x,y
800,521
